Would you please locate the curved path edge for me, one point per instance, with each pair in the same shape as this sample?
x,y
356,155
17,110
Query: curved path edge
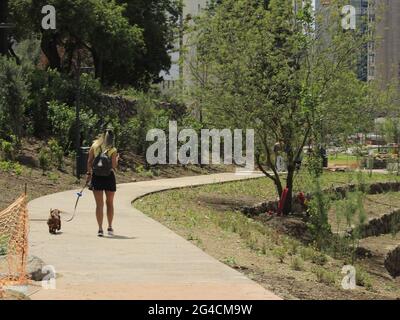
x,y
144,260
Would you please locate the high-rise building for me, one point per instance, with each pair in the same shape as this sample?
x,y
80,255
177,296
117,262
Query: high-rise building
x,y
379,60
361,9
386,62
191,8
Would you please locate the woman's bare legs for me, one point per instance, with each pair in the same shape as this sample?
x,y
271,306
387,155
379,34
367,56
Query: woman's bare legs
x,y
98,196
110,207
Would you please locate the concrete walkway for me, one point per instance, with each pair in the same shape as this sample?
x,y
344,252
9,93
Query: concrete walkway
x,y
145,260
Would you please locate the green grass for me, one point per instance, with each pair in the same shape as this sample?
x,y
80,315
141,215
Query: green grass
x,y
181,207
343,160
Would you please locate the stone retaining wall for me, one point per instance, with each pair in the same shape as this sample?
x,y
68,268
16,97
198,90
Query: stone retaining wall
x,y
392,262
336,194
385,224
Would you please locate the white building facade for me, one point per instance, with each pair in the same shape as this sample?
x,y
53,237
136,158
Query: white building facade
x,y
191,8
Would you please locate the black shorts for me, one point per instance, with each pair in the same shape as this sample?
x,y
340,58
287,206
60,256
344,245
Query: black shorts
x,y
104,183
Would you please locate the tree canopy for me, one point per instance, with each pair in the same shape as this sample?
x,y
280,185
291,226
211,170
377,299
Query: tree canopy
x,y
126,41
268,67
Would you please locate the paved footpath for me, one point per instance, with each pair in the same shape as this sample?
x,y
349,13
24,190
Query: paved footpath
x,y
144,260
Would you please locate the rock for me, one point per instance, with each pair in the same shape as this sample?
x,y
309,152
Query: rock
x,y
392,262
385,224
34,268
363,253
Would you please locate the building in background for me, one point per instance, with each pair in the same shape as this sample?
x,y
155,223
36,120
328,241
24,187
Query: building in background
x,y
385,65
379,60
362,17
178,69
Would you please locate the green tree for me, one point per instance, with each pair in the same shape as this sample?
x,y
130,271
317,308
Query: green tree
x,y
158,19
273,70
96,27
126,41
13,98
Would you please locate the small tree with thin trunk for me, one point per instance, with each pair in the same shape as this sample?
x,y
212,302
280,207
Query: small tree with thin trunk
x,y
283,72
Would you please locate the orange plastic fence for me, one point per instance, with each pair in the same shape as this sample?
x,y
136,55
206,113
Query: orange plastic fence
x,y
14,226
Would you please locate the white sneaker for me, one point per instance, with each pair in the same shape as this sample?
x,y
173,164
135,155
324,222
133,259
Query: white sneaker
x,y
110,231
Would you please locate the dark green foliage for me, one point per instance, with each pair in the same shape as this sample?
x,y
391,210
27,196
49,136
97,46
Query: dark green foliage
x,y
126,41
13,98
45,159
318,212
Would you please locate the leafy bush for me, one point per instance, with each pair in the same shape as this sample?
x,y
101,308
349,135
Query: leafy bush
x,y
8,148
280,253
61,118
319,259
13,97
318,208
11,167
297,263
44,159
142,172
324,276
306,253
53,177
56,154
363,279
63,126
149,116
58,89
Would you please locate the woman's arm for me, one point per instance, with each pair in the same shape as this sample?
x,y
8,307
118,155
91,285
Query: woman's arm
x,y
115,159
90,163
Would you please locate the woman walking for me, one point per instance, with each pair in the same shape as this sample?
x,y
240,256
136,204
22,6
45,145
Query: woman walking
x,y
102,162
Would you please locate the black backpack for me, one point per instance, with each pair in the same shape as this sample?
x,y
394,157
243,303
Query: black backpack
x,y
102,164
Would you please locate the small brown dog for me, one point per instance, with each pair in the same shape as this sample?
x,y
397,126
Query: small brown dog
x,y
54,221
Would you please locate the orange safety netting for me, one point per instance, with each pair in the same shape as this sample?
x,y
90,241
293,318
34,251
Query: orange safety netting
x,y
14,243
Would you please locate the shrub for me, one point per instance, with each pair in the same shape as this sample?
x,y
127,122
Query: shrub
x,y
56,154
230,261
280,253
44,159
319,259
318,211
7,150
13,97
18,169
142,172
149,116
53,177
363,279
11,167
63,126
293,247
324,276
297,263
61,118
307,253
51,85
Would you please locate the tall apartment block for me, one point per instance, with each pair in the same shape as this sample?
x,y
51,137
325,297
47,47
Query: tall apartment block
x,y
179,69
380,60
385,63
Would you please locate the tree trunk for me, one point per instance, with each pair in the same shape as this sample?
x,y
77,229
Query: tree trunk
x,y
287,207
98,65
3,32
49,48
